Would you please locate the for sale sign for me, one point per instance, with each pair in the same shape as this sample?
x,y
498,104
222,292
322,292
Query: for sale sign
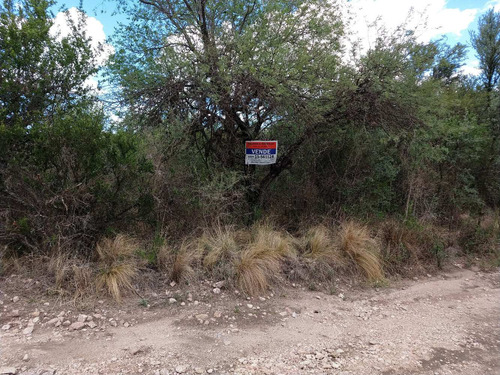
x,y
261,152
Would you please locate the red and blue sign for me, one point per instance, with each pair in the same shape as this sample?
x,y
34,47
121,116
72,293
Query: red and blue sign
x,y
261,152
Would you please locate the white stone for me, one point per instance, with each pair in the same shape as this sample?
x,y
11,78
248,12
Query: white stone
x,y
181,369
82,318
15,299
52,322
76,326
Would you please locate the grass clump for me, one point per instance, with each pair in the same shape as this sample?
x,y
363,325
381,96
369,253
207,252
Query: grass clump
x,y
320,246
355,242
259,264
117,265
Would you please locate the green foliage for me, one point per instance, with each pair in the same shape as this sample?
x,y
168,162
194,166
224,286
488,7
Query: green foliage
x,y
486,42
40,73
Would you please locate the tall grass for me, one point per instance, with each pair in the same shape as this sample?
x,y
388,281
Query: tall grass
x,y
117,265
320,246
355,242
259,265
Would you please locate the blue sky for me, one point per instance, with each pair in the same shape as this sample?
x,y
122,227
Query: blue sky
x,y
451,18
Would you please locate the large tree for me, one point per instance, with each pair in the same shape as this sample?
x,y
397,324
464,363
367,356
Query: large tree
x,y
230,71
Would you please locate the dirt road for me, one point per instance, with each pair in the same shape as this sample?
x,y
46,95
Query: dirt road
x,y
443,324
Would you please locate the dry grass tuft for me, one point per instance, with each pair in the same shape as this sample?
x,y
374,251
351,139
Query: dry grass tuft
x,y
117,265
182,266
320,246
218,245
355,241
260,263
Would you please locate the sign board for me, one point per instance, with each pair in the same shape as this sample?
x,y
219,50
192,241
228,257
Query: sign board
x,y
261,152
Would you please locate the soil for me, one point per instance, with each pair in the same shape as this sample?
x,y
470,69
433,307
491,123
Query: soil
x,y
447,323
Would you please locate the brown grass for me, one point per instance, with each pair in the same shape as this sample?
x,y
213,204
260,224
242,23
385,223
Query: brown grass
x,y
218,245
355,241
182,266
260,263
117,265
320,247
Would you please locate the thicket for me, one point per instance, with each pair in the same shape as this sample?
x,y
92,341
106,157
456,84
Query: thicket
x,y
397,138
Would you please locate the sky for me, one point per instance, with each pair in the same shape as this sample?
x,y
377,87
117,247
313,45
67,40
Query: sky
x,y
452,19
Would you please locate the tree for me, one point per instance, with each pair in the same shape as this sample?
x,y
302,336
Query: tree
x,y
64,179
40,73
486,42
230,72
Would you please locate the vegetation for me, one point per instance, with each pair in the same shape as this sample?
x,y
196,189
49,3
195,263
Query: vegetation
x,y
384,162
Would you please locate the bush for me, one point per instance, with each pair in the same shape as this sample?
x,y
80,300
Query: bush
x,y
65,184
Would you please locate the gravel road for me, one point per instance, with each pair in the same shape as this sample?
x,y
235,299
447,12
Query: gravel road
x,y
442,324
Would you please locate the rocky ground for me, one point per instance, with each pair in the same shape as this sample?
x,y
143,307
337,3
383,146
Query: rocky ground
x,y
447,323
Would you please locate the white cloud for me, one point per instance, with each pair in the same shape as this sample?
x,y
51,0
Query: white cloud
x,y
93,28
429,18
495,4
472,68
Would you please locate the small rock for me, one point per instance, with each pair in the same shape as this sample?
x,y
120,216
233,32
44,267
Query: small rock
x,y
249,305
52,322
113,323
8,371
14,314
181,369
317,297
126,324
172,300
202,316
335,365
173,283
220,284
36,320
198,370
28,330
217,314
210,370
91,324
190,297
66,323
15,299
76,326
26,358
82,318
6,327
216,290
